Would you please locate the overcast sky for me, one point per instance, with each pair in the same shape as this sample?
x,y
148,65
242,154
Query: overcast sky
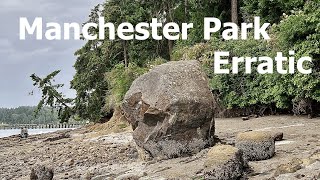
x,y
19,59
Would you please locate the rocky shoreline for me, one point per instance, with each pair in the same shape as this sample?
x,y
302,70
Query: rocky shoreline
x,y
97,153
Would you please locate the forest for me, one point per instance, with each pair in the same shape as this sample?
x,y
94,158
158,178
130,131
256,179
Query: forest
x,y
26,115
105,69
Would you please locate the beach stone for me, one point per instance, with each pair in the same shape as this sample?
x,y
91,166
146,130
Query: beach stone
x,y
130,176
224,162
41,173
171,110
315,156
143,154
277,136
293,166
24,133
69,162
256,145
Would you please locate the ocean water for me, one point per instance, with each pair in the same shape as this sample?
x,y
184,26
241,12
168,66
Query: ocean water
x,y
10,132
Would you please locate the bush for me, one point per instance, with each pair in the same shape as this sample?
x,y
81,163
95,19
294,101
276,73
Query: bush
x,y
120,79
299,32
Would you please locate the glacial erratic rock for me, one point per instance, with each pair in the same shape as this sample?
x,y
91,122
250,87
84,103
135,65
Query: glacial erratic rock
x,y
256,145
224,162
171,110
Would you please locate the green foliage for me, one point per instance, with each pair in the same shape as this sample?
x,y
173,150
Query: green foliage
x,y
205,8
121,78
51,97
201,51
301,32
105,69
26,115
89,80
298,32
98,57
269,10
244,90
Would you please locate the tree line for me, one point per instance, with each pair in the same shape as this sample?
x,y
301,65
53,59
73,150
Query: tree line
x,y
26,115
105,69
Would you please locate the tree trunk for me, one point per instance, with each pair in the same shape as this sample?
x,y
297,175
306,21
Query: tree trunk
x,y
125,54
234,11
169,18
186,13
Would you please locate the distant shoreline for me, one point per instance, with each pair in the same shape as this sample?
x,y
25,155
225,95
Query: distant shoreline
x,y
11,132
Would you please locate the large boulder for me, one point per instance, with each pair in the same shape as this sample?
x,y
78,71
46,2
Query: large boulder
x,y
171,110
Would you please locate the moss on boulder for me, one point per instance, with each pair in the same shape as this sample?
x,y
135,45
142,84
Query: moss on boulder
x,y
256,145
224,162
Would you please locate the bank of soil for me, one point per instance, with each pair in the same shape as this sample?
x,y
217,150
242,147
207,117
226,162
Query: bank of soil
x,y
108,152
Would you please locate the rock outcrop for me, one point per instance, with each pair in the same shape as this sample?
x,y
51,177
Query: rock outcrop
x,y
171,110
256,145
224,162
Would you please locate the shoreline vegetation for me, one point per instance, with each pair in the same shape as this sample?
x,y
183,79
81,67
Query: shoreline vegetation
x,y
106,69
26,115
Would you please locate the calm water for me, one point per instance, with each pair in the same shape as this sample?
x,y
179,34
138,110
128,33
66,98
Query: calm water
x,y
10,132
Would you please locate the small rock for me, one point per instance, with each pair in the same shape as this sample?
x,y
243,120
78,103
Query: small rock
x,y
245,118
256,145
293,166
128,177
300,176
316,155
87,176
308,161
100,177
56,138
143,154
69,162
224,162
41,173
277,136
